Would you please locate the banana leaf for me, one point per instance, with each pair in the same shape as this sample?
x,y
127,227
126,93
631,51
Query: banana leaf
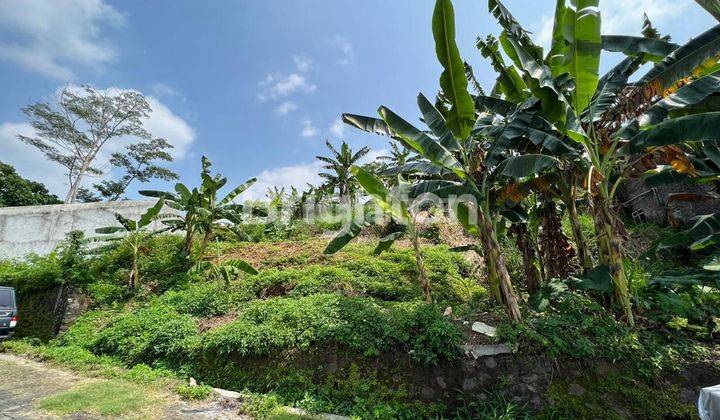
x,y
436,122
422,143
540,79
611,84
654,49
712,7
416,168
454,84
691,128
237,191
512,26
598,279
109,230
151,214
470,76
368,124
495,105
440,188
556,56
509,81
700,52
581,28
241,265
525,165
377,190
685,97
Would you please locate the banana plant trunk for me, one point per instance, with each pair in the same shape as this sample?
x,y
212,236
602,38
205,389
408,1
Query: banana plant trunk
x,y
609,232
497,268
558,255
530,256
583,253
134,272
205,241
422,275
187,247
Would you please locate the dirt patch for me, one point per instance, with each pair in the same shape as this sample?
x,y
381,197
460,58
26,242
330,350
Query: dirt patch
x,y
206,324
279,254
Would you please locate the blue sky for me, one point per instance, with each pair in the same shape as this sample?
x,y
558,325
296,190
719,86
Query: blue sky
x,y
257,86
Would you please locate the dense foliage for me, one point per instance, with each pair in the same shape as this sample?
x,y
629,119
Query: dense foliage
x,y
18,191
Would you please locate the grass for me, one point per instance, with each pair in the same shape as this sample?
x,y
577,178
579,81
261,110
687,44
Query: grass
x,y
106,398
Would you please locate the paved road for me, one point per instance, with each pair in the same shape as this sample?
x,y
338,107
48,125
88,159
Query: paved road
x,y
25,382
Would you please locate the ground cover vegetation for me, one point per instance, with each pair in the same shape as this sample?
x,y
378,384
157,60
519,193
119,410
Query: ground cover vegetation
x,y
538,245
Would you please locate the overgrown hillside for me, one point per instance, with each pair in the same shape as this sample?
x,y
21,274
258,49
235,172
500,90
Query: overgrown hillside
x,y
351,333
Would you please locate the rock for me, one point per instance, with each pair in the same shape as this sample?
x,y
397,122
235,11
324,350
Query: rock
x,y
441,382
193,382
448,311
480,350
469,384
490,363
427,393
576,390
227,394
483,328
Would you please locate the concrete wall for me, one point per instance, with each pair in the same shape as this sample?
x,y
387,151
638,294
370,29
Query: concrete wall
x,y
39,229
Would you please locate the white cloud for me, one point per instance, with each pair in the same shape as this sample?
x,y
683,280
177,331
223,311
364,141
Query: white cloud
x,y
32,164
52,36
303,62
286,176
277,85
308,129
620,17
162,122
348,53
337,128
286,108
161,89
624,17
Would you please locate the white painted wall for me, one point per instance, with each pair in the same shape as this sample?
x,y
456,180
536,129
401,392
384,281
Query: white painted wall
x,y
39,229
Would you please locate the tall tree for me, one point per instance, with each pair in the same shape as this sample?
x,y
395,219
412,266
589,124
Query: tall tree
x,y
18,191
73,130
341,178
202,210
399,156
138,162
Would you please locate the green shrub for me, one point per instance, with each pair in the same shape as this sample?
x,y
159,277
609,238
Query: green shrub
x,y
579,328
190,392
156,334
33,274
205,298
83,332
261,406
359,325
107,293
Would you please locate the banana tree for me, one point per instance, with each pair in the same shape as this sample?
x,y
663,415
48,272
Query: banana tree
x,y
461,160
578,104
395,204
339,163
132,235
202,211
610,118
